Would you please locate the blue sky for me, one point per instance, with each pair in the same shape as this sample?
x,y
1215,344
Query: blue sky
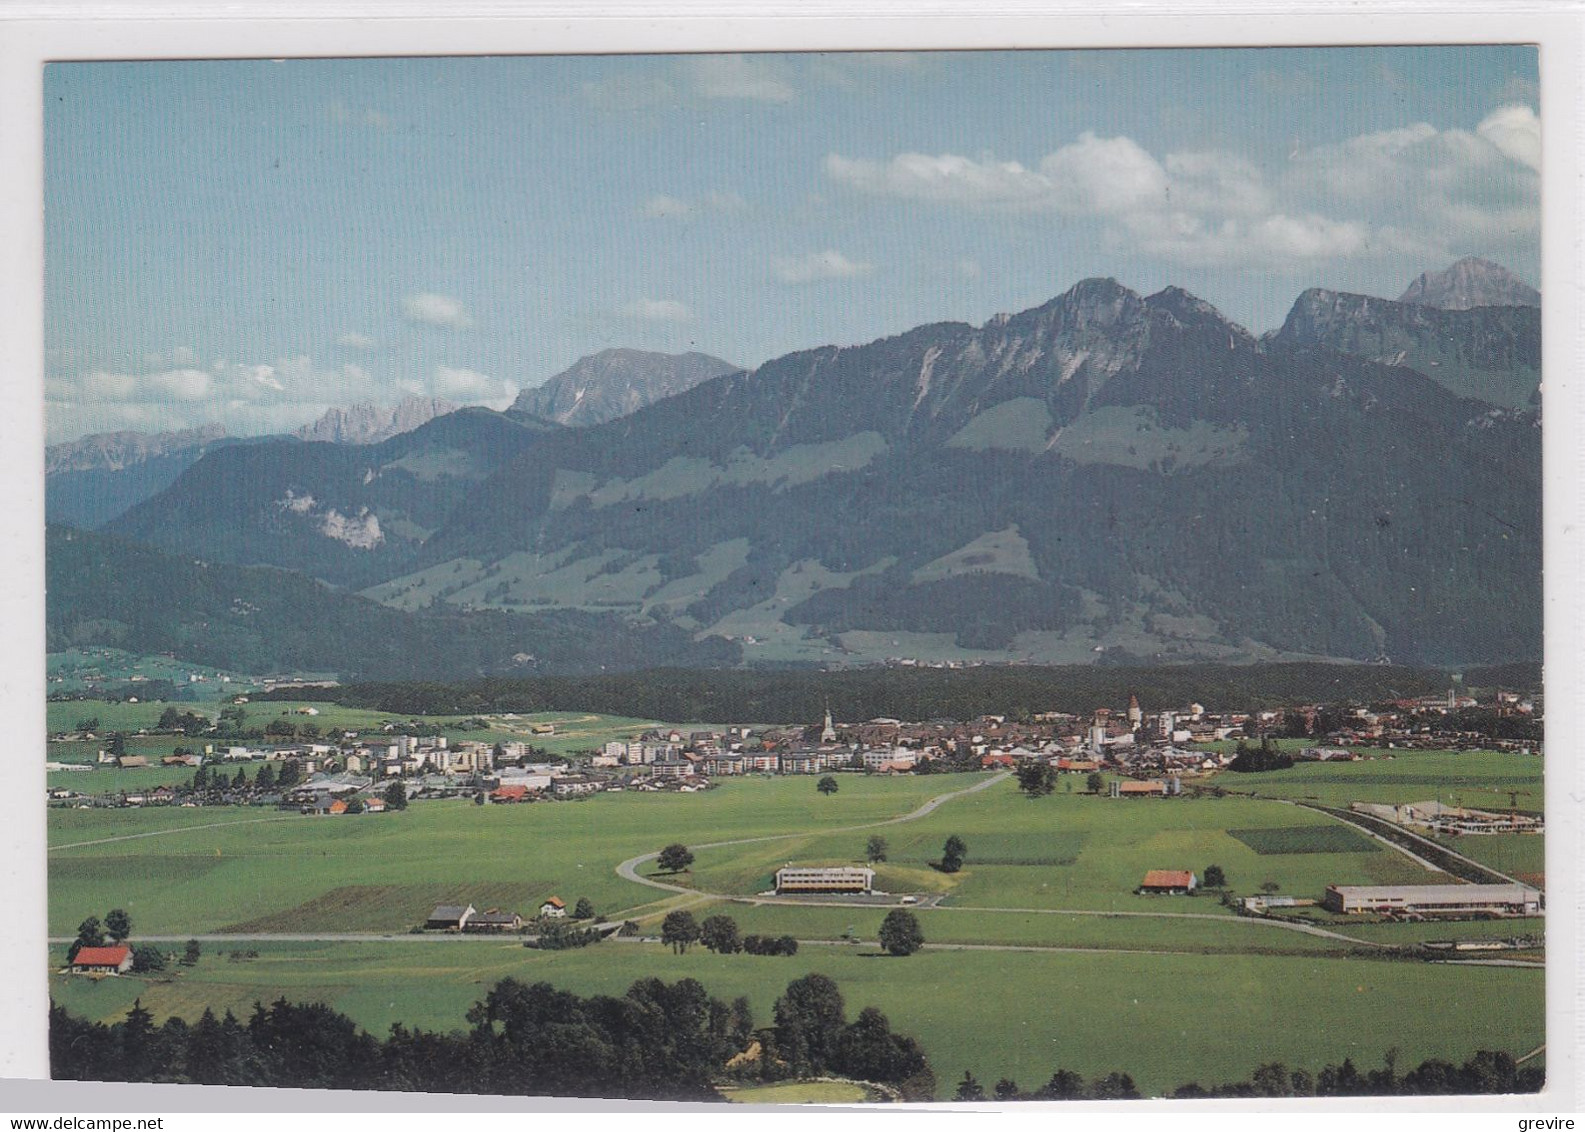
x,y
250,242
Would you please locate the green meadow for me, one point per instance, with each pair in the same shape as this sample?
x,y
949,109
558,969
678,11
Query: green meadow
x,y
1478,779
383,872
1082,851
1165,1019
1046,955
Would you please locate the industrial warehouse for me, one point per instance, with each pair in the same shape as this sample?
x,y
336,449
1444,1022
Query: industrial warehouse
x,y
1434,899
840,879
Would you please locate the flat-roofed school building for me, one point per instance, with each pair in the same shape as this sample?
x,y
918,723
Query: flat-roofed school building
x,y
1434,899
840,879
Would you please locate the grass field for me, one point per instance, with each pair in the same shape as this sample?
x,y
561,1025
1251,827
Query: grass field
x,y
1519,855
382,872
799,1092
1166,995
1163,1019
1079,851
1479,779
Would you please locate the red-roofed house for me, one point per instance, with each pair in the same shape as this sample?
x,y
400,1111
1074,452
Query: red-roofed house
x,y
115,960
555,907
1168,881
509,794
997,759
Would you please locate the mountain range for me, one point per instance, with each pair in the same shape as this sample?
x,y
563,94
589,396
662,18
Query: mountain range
x,y
1108,477
91,480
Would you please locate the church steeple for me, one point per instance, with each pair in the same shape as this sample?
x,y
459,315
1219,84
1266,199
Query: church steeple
x,y
829,735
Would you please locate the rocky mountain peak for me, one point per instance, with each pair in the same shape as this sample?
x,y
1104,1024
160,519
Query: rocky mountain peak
x,y
1469,283
615,382
369,423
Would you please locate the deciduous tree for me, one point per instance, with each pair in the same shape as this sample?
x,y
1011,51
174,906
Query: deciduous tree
x,y
674,858
678,930
1036,778
900,933
719,934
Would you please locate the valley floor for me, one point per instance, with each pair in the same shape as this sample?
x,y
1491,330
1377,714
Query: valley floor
x,y
1040,955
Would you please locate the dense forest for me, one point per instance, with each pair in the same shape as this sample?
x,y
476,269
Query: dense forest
x,y
783,696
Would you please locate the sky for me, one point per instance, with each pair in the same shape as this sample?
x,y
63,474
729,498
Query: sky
x,y
252,242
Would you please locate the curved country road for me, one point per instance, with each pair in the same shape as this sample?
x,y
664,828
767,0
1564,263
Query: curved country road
x,y
628,869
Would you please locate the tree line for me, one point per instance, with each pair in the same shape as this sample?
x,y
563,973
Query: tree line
x,y
684,695
1488,1071
658,1041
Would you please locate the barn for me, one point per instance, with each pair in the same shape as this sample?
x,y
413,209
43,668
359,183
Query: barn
x,y
450,917
1168,882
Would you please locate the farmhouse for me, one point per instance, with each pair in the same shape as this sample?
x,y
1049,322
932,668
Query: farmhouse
x,y
1168,881
108,960
840,879
494,921
555,907
450,917
1435,899
1133,789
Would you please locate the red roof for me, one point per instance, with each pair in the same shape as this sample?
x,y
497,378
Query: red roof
x,y
510,793
556,902
1168,878
101,956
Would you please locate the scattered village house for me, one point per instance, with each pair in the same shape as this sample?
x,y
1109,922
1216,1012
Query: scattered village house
x,y
115,960
555,908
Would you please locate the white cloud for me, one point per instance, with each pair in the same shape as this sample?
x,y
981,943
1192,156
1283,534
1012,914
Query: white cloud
x,y
816,266
658,310
468,386
738,76
352,340
1097,175
947,177
1516,132
1409,191
436,310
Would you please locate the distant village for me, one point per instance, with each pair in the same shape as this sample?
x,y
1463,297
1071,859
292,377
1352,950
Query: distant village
x,y
1147,753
